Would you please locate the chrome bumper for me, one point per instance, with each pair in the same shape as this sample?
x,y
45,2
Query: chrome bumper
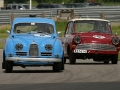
x,y
34,59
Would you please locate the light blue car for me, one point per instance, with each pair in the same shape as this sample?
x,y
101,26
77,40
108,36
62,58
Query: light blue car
x,y
33,41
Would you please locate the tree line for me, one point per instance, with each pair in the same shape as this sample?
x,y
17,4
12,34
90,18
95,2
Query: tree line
x,y
58,1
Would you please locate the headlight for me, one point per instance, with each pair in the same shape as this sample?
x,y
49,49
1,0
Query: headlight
x,y
48,47
115,40
19,47
77,39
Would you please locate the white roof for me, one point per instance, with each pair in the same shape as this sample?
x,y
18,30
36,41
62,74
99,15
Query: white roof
x,y
88,19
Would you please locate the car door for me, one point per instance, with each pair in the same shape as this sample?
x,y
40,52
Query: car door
x,y
67,36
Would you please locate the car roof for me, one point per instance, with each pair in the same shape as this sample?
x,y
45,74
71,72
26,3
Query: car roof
x,y
34,20
89,19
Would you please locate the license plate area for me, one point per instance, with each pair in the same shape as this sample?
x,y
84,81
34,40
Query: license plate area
x,y
80,51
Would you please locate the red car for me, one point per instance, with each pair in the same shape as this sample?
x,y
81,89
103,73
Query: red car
x,y
90,39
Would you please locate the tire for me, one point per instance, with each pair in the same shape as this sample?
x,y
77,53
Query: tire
x,y
114,59
8,66
64,59
3,63
57,67
72,57
62,64
106,62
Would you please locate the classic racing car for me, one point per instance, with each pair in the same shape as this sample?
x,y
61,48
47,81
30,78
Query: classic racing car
x,y
33,41
87,38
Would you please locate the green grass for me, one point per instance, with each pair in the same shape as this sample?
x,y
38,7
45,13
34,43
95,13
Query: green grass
x,y
116,28
3,30
1,45
61,26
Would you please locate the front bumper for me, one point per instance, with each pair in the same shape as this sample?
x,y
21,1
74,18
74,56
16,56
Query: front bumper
x,y
34,59
95,49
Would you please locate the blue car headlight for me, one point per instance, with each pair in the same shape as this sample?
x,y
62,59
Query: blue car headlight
x,y
19,47
48,47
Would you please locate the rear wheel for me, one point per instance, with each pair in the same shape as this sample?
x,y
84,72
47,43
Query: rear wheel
x,y
114,59
3,63
57,67
62,64
72,57
8,66
64,59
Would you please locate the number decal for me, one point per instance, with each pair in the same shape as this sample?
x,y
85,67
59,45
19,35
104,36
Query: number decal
x,y
80,51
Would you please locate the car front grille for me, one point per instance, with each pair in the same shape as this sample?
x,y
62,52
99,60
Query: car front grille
x,y
96,47
33,50
46,54
21,53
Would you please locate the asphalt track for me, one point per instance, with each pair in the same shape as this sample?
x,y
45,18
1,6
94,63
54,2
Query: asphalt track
x,y
84,75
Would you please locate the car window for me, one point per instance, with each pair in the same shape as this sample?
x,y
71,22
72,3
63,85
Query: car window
x,y
26,6
83,26
13,6
51,6
33,28
92,26
70,28
40,5
46,6
19,7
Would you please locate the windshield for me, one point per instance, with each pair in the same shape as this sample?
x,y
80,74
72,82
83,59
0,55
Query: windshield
x,y
92,26
33,28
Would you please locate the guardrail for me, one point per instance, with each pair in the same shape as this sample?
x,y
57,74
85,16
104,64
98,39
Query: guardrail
x,y
111,13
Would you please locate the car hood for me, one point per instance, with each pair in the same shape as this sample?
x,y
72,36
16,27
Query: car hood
x,y
95,38
27,40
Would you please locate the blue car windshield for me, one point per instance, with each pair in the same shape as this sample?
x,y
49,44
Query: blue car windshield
x,y
46,28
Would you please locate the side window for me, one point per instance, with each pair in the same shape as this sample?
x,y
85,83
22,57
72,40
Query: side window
x,y
46,6
19,7
69,28
14,6
51,6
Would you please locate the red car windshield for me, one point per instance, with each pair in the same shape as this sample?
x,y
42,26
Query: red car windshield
x,y
92,26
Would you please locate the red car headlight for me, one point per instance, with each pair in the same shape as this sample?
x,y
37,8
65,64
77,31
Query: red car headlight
x,y
77,39
115,40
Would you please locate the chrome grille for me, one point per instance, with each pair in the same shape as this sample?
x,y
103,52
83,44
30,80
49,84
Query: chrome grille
x,y
96,47
33,51
46,54
21,53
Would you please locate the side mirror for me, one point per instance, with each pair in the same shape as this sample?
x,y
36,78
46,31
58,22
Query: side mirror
x,y
59,33
8,31
116,34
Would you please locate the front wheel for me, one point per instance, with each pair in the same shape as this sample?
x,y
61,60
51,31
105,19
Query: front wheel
x,y
8,66
72,57
57,67
114,59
